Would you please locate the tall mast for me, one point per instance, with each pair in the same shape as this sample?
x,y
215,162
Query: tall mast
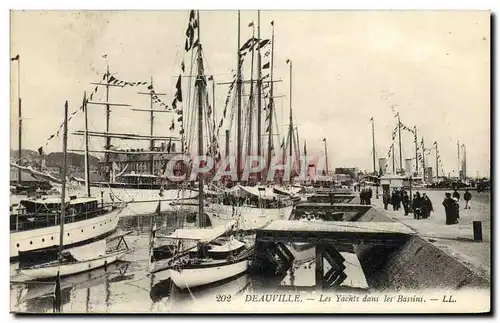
x,y
437,160
400,149
151,132
458,157
151,111
465,163
326,156
199,84
373,145
238,93
416,149
87,166
63,188
423,158
271,104
297,147
393,160
108,112
250,107
19,115
259,94
290,126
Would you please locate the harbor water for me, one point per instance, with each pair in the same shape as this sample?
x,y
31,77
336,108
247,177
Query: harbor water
x,y
126,286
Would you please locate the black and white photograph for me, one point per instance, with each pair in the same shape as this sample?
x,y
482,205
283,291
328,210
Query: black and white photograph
x,y
250,161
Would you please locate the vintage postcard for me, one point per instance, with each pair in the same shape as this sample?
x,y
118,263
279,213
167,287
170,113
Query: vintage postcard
x,y
253,161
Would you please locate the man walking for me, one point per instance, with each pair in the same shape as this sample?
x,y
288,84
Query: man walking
x,y
386,198
406,202
369,194
467,198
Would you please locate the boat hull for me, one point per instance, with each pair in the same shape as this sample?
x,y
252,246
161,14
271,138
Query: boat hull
x,y
71,268
142,201
251,217
74,234
196,277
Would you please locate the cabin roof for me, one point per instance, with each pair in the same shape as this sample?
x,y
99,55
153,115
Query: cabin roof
x,y
139,175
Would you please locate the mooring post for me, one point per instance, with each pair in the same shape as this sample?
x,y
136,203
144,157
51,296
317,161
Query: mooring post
x,y
319,267
478,230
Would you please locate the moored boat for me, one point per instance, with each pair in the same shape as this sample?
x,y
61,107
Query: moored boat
x,y
35,223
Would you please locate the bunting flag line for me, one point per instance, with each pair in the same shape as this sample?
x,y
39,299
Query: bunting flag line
x,y
114,81
81,108
406,128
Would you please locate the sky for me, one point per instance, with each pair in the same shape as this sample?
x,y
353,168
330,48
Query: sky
x,y
433,67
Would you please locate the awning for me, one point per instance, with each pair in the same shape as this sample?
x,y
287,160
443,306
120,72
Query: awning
x,y
202,235
89,251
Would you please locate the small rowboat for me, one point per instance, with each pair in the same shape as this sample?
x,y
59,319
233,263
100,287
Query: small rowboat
x,y
77,260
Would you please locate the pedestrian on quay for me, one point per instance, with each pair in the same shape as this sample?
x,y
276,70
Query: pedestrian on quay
x,y
426,206
451,209
417,206
386,199
406,202
395,200
362,197
467,198
456,195
369,194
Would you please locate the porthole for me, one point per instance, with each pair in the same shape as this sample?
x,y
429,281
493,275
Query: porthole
x,y
68,234
101,224
43,239
31,242
82,230
17,245
51,238
93,227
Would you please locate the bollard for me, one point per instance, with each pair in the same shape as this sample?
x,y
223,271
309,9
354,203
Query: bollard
x,y
478,230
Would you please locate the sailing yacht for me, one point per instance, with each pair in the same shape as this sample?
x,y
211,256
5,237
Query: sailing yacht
x,y
216,256
211,254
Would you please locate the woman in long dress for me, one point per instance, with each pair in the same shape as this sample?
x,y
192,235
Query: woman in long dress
x,y
451,208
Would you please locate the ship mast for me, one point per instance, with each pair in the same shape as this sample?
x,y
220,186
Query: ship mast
x,y
250,107
199,85
259,94
400,149
423,159
290,127
87,166
238,93
151,111
63,186
373,145
108,139
416,149
271,104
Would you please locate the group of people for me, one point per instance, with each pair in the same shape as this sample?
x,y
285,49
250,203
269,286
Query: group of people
x,y
365,196
452,206
420,205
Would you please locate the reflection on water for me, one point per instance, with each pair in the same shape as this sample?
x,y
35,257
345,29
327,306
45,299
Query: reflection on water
x,y
125,286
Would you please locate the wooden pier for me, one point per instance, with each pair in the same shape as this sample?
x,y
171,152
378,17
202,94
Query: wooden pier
x,y
272,256
331,198
330,212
